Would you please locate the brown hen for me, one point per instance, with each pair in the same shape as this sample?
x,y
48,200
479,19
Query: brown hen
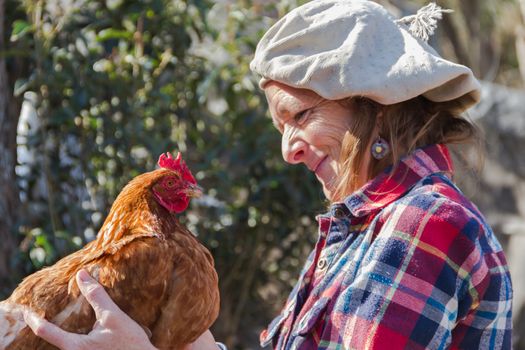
x,y
152,267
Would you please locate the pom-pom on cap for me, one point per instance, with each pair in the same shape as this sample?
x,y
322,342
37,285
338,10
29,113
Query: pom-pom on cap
x,y
345,48
177,164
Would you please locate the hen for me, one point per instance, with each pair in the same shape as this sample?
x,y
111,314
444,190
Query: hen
x,y
151,265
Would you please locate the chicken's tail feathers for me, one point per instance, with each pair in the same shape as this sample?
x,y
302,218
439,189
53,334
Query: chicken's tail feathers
x,y
11,323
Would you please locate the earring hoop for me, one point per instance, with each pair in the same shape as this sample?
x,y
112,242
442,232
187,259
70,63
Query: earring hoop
x,y
380,148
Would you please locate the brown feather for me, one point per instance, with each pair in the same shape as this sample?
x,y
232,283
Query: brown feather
x,y
152,267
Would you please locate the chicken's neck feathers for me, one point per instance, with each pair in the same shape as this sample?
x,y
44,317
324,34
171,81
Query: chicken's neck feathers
x,y
128,222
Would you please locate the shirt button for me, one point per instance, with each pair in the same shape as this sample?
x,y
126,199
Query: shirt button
x,y
339,213
321,264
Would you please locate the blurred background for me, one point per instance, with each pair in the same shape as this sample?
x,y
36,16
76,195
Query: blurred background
x,y
91,92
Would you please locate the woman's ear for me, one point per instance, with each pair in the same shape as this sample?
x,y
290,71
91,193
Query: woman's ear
x,y
379,121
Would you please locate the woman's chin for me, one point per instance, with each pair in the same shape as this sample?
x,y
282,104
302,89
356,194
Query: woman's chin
x,y
326,175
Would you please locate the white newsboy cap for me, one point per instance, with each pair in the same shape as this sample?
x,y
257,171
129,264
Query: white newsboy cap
x,y
344,48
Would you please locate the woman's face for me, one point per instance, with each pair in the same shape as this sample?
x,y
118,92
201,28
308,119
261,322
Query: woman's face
x,y
312,130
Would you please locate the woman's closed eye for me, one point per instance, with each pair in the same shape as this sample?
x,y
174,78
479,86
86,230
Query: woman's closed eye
x,y
301,117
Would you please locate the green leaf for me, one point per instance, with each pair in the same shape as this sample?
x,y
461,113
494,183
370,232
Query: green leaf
x,y
20,27
111,33
41,241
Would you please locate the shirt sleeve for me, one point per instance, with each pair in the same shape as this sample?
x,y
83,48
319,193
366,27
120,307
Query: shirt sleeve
x,y
423,272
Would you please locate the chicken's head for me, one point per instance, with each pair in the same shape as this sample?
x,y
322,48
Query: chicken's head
x,y
175,189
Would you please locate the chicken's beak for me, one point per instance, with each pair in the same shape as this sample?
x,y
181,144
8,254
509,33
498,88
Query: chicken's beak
x,y
193,190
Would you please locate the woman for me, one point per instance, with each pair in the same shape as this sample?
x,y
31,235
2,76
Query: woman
x,y
403,259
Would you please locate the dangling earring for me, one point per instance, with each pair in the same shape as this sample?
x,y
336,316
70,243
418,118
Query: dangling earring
x,y
380,148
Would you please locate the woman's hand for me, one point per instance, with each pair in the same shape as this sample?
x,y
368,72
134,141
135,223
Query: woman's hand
x,y
204,342
113,330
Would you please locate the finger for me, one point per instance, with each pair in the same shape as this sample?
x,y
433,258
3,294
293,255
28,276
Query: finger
x,y
204,341
95,294
50,332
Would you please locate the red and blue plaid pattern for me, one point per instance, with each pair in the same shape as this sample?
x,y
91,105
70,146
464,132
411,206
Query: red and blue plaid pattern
x,y
406,262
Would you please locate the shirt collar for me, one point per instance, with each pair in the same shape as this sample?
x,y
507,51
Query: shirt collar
x,y
396,181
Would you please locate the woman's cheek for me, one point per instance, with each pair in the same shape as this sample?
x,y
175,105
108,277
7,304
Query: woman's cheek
x,y
328,134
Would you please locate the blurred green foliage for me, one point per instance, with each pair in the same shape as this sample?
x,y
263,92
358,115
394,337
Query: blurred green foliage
x,y
113,84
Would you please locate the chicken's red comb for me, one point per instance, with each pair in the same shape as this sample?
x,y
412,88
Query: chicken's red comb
x,y
167,161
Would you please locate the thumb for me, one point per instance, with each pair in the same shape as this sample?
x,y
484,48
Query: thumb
x,y
95,294
50,332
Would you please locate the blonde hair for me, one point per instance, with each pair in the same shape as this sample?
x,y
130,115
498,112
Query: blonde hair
x,y
405,126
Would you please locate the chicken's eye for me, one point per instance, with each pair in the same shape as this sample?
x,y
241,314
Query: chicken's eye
x,y
170,183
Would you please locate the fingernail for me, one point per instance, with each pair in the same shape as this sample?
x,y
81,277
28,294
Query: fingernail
x,y
83,276
30,317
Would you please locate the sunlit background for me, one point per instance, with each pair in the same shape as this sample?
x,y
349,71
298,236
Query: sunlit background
x,y
91,92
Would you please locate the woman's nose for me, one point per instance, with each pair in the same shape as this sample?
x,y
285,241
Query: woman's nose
x,y
293,151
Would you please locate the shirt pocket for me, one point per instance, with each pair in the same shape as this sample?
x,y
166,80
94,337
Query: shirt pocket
x,y
312,318
274,326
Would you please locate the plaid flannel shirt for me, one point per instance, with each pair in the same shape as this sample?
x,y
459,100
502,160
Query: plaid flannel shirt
x,y
406,262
